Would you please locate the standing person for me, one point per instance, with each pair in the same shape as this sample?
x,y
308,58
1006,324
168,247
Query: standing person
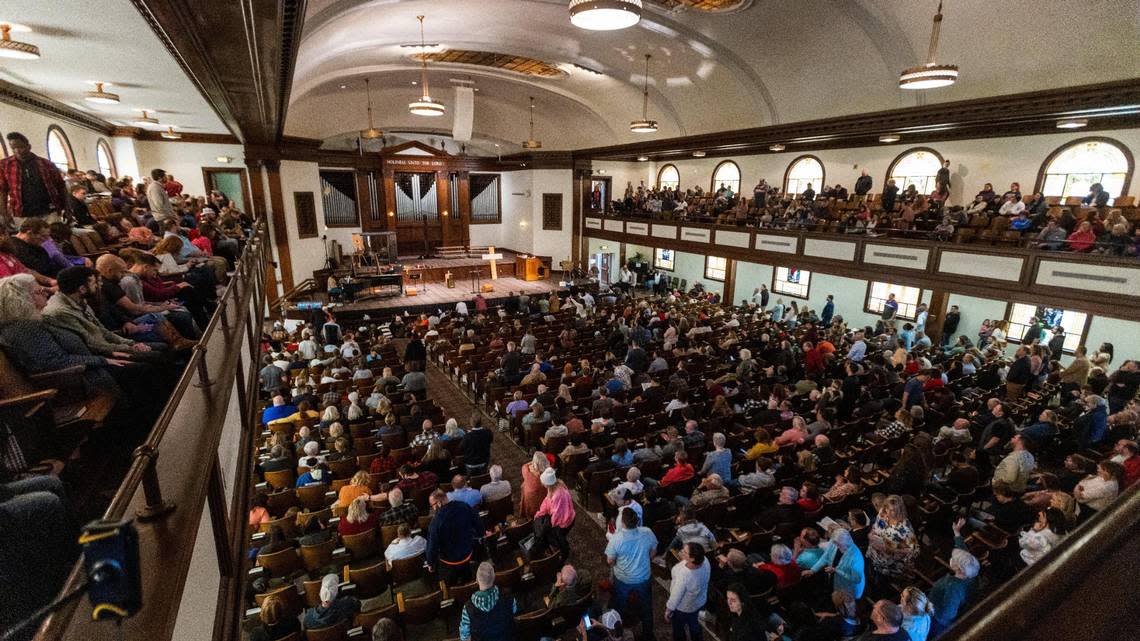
x,y
863,184
630,553
476,447
533,491
943,177
30,186
157,198
886,620
950,324
555,515
490,614
827,312
890,310
688,592
451,538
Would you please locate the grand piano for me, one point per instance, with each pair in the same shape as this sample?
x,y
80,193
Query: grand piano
x,y
374,283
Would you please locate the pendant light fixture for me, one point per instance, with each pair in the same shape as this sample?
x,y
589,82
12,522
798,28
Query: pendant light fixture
x,y
776,147
931,75
531,143
604,15
425,106
1072,123
645,125
101,97
372,133
10,48
889,138
170,134
145,118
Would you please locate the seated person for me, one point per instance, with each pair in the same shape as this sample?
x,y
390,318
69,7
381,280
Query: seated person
x,y
332,609
405,545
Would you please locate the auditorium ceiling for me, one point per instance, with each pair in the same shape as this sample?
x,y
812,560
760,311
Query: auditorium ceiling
x,y
715,66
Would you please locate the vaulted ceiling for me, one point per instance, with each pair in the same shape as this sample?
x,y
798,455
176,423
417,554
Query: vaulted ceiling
x,y
715,66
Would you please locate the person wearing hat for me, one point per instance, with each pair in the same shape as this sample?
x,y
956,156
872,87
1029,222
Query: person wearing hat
x,y
332,609
489,615
555,514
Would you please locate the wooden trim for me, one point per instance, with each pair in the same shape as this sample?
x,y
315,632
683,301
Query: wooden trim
x,y
788,172
22,98
280,231
774,292
190,137
1027,113
712,176
102,144
729,294
904,154
66,145
1040,184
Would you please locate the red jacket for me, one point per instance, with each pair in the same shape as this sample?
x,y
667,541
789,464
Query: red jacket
x,y
172,187
678,474
1131,470
10,182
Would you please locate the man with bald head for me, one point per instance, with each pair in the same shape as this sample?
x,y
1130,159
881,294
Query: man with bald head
x,y
143,322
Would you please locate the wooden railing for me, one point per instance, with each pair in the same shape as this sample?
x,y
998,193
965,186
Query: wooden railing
x,y
196,455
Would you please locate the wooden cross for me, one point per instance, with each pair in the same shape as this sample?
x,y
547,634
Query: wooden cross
x,y
492,256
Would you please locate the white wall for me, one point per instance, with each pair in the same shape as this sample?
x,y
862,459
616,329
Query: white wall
x,y
972,162
308,254
35,127
185,160
555,244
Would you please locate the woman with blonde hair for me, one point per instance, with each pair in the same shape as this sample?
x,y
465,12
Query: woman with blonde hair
x,y
358,518
917,611
329,416
893,544
452,431
357,487
533,491
167,251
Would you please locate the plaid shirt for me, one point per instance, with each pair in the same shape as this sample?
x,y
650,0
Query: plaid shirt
x,y
10,181
406,512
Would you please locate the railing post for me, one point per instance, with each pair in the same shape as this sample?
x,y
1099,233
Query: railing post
x,y
156,507
203,370
216,502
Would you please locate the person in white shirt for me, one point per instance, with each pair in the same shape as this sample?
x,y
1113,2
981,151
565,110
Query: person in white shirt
x,y
404,546
588,300
1012,206
688,592
1038,540
308,348
1099,490
461,308
349,349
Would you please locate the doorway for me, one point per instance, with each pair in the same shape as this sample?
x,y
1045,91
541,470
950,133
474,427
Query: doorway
x,y
605,265
231,182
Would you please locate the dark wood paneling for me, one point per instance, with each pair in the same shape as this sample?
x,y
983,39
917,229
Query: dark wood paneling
x,y
552,212
305,207
280,231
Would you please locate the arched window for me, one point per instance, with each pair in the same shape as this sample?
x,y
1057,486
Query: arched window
x,y
3,146
804,171
105,159
1072,169
59,149
918,167
727,173
668,177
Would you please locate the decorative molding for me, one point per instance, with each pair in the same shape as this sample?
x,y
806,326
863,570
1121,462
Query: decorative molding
x,y
156,136
21,98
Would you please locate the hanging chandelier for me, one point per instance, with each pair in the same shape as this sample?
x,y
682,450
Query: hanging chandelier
x,y
145,118
10,48
604,15
372,133
170,134
531,143
425,106
930,75
645,125
101,97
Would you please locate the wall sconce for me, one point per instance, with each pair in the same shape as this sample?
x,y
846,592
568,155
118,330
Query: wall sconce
x,y
522,223
224,159
445,212
391,214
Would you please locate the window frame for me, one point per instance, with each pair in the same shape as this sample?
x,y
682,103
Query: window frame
x,y
105,147
725,270
900,315
672,261
1015,337
904,154
775,290
67,148
716,170
1128,157
674,167
798,159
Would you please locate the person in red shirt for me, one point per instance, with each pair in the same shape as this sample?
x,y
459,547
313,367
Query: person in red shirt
x,y
813,360
1131,462
682,470
172,186
783,566
809,497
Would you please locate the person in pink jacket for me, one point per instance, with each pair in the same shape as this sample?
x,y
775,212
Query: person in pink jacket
x,y
555,516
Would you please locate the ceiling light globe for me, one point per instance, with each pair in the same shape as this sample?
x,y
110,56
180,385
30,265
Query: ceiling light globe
x,y
604,15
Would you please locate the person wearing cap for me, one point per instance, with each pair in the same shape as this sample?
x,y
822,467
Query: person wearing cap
x,y
555,514
452,534
489,614
332,609
630,553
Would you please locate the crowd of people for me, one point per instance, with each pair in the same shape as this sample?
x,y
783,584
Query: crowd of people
x,y
1038,221
786,477
105,286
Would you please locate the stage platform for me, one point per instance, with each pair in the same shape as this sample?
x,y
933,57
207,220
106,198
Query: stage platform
x,y
434,270
438,296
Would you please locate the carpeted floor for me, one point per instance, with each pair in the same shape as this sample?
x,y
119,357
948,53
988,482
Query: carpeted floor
x,y
587,538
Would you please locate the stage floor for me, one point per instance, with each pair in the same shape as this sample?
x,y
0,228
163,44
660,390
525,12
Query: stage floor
x,y
439,295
